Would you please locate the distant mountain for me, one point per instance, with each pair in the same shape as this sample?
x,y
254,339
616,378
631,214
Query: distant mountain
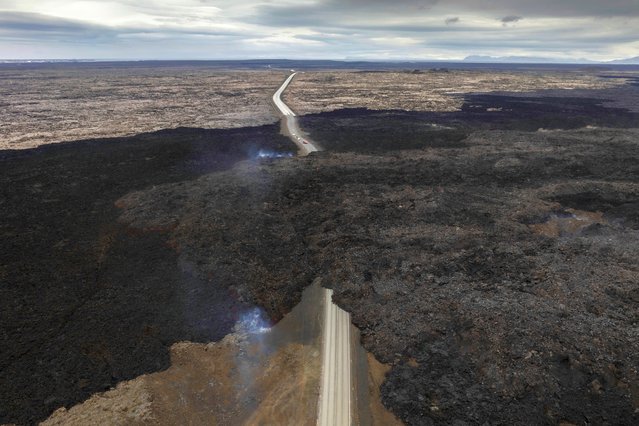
x,y
479,59
628,61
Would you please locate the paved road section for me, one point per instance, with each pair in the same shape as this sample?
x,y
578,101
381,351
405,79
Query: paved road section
x,y
335,396
335,403
277,97
305,145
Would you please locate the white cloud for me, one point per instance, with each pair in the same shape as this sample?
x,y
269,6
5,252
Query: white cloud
x,y
397,41
403,29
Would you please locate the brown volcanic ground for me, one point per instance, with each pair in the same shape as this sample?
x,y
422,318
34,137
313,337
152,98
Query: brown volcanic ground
x,y
428,90
47,105
490,265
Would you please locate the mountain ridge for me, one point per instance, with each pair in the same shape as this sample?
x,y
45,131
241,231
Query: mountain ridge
x,y
544,60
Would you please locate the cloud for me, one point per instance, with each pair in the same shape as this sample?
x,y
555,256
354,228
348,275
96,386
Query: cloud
x,y
411,29
317,10
510,19
39,25
19,26
553,8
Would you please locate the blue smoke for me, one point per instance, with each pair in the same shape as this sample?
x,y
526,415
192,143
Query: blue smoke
x,y
254,321
265,153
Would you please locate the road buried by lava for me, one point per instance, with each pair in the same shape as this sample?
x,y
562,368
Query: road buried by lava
x,y
436,254
431,229
85,301
337,387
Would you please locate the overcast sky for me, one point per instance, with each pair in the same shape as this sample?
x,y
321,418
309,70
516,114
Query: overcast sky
x,y
318,29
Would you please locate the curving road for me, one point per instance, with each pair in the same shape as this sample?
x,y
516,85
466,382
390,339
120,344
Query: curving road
x,y
305,145
335,402
277,97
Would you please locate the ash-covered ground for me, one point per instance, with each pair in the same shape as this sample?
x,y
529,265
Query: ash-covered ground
x,y
86,302
492,265
488,254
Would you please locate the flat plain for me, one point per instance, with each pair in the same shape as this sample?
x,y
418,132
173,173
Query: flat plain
x,y
480,226
428,90
48,105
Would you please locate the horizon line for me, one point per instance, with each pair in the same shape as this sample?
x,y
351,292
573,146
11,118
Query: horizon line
x,y
473,59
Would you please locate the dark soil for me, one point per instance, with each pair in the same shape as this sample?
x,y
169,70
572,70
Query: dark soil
x,y
423,231
484,320
85,302
363,130
631,80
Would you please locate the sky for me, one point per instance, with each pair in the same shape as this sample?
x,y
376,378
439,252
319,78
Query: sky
x,y
318,29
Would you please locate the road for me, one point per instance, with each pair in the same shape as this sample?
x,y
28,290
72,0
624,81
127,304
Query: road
x,y
292,129
336,393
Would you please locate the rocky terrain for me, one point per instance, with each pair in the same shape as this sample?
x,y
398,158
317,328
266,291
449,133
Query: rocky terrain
x,y
430,89
487,253
496,275
260,374
49,104
42,105
85,302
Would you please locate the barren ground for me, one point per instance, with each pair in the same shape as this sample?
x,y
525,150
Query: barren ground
x,y
493,266
40,106
86,303
487,252
257,375
427,90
